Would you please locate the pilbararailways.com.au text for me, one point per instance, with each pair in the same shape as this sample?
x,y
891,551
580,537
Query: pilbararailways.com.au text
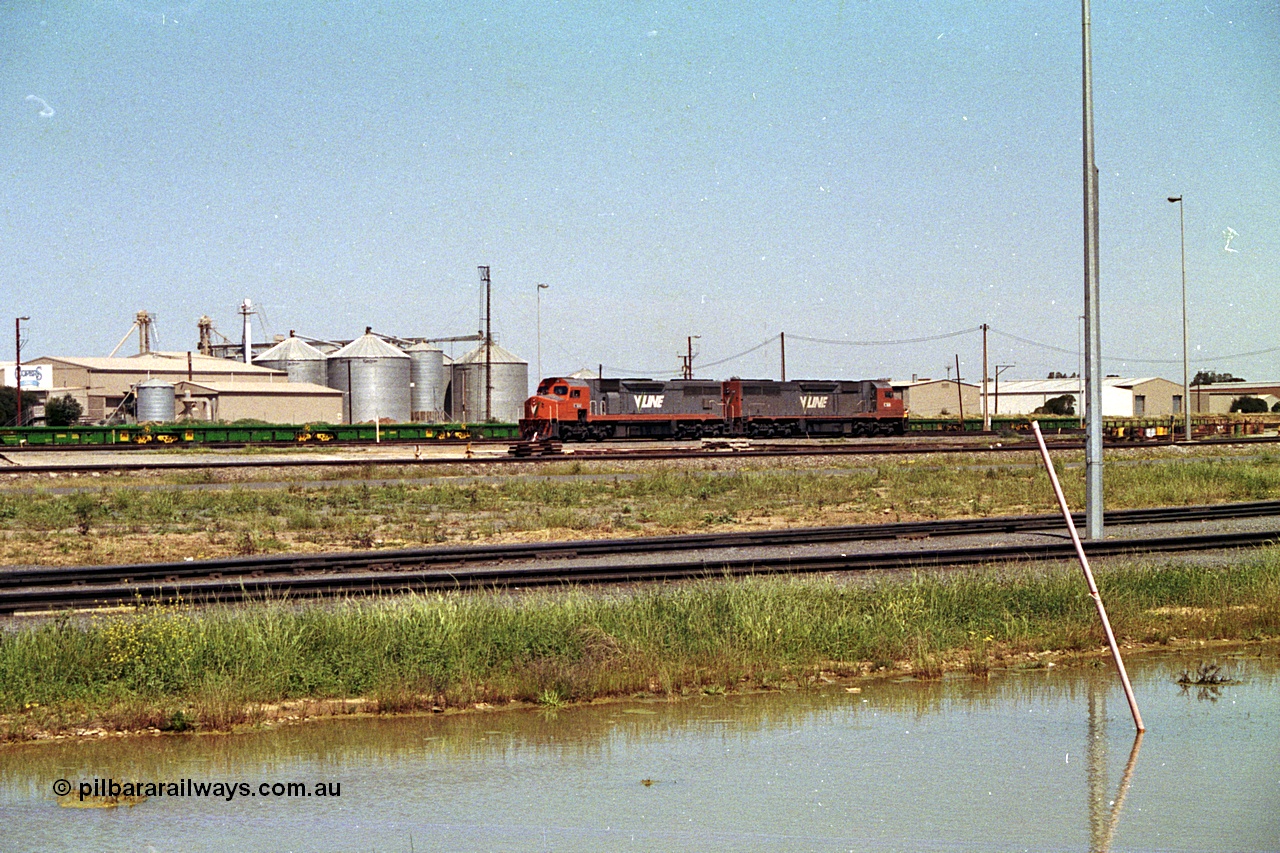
x,y
190,788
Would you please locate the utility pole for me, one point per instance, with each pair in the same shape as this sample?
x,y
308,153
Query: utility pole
x,y
17,362
1093,333
960,392
986,412
488,346
782,336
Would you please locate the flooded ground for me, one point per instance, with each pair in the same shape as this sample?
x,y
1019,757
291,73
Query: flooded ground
x,y
1037,760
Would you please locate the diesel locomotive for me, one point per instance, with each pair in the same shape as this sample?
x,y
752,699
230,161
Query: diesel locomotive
x,y
597,409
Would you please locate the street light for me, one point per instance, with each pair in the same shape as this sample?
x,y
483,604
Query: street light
x,y
1186,376
1000,368
17,362
538,296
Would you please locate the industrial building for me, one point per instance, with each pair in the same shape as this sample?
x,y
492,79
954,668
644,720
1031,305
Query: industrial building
x,y
1216,399
932,398
273,402
101,385
1126,398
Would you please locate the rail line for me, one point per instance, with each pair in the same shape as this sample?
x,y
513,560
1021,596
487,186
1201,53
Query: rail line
x,y
170,463
373,572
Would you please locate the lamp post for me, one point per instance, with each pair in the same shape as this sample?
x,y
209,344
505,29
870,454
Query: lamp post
x,y
538,296
1093,498
1186,374
17,363
688,360
1000,368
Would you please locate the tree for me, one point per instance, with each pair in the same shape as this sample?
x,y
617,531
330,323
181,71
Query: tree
x,y
62,411
1276,407
1249,405
1064,405
1208,377
9,406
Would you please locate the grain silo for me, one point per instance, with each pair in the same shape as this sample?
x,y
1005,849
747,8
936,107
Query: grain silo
x,y
374,376
427,376
155,401
509,378
302,361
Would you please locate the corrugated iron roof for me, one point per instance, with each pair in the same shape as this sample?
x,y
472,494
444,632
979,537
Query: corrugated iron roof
x,y
292,349
498,355
157,363
370,346
290,388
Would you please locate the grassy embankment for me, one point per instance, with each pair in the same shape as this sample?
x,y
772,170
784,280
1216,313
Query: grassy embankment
x,y
172,668
118,523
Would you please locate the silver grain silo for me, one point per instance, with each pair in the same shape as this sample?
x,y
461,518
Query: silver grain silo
x,y
302,361
155,401
510,380
374,378
426,373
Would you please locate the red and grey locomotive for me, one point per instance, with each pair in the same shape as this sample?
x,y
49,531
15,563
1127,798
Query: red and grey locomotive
x,y
597,409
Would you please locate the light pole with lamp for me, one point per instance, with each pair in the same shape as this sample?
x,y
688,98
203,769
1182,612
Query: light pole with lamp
x,y
538,294
1000,368
17,363
1186,373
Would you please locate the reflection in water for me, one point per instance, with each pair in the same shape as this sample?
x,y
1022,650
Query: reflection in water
x,y
1104,816
950,764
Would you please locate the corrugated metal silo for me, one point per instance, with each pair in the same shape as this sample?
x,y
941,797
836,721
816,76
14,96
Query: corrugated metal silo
x,y
155,401
426,373
510,380
374,377
302,361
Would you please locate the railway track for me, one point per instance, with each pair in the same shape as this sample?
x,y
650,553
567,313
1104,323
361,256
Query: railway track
x,y
525,565
172,462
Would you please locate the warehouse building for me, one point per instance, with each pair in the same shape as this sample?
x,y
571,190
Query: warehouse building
x,y
101,385
1216,399
932,398
274,402
1149,397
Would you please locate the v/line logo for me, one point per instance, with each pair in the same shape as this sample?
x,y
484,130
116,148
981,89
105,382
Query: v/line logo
x,y
813,402
649,401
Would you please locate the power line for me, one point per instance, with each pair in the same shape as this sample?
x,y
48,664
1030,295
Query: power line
x,y
1113,358
888,343
763,343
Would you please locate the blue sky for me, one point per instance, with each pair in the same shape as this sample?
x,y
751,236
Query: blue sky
x,y
862,171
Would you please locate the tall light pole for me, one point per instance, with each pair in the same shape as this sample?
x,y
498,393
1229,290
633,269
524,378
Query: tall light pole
x,y
1000,368
17,362
538,294
1186,371
1093,332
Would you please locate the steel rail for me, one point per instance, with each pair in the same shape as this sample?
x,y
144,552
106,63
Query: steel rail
x,y
331,584
577,549
457,557
642,454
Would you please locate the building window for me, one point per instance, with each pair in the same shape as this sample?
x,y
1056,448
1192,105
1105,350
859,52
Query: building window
x,y
1177,404
1139,405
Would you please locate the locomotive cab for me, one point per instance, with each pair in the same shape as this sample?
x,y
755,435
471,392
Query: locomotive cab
x,y
558,410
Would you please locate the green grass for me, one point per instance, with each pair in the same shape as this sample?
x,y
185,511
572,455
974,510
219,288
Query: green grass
x,y
366,515
180,668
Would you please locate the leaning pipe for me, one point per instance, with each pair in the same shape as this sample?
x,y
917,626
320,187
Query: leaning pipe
x,y
1088,576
